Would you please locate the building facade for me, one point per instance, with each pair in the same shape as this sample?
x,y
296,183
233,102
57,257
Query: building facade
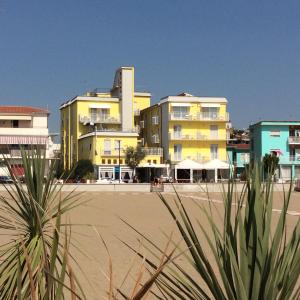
x,y
281,138
187,127
24,127
100,125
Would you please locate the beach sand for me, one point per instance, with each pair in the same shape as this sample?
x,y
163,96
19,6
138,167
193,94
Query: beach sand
x,y
144,211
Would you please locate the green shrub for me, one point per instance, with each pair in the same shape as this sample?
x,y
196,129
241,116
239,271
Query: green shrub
x,y
35,261
83,167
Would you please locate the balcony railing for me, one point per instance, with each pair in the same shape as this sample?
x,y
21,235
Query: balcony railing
x,y
112,152
289,159
201,116
294,140
196,137
153,151
198,157
100,119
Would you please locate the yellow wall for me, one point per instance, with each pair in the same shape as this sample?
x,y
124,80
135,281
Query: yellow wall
x,y
92,148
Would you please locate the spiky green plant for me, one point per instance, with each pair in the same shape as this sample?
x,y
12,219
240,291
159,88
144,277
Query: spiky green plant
x,y
254,257
34,261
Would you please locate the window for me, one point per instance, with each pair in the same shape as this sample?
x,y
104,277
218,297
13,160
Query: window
x,y
155,139
109,161
121,161
181,112
177,131
103,161
210,113
214,131
177,151
107,147
149,161
15,123
90,147
155,120
275,132
245,158
154,161
115,161
214,151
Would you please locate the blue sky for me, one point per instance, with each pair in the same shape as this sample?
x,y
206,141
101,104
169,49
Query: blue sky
x,y
246,51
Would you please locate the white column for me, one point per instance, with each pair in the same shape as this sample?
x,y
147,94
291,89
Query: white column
x,y
99,173
191,175
216,175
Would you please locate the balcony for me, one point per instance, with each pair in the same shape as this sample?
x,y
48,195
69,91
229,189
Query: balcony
x,y
175,136
107,119
153,151
198,157
201,116
295,140
19,131
289,159
112,152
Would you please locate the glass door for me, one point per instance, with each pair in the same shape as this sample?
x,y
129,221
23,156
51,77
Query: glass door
x,y
177,152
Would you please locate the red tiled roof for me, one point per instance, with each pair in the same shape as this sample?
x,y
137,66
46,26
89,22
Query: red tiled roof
x,y
26,110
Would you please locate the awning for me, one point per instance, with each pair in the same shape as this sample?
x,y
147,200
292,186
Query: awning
x,y
180,104
189,164
216,164
99,105
23,140
210,105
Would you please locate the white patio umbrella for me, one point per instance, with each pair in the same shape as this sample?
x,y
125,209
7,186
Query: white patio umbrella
x,y
190,165
216,164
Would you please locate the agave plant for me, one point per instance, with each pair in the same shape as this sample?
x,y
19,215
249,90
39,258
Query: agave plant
x,y
253,255
34,263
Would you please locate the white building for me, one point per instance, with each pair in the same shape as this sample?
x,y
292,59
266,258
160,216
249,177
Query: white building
x,y
27,127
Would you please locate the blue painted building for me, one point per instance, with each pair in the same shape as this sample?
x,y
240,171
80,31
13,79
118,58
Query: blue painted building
x,y
281,138
238,155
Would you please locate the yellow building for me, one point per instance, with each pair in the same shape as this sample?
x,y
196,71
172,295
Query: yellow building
x,y
187,127
100,125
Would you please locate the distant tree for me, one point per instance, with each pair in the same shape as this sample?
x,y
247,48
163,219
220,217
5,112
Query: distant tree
x,y
83,167
133,156
270,163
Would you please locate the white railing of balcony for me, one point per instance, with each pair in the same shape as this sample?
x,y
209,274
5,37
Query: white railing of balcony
x,y
201,116
153,151
197,136
294,140
289,159
99,119
112,152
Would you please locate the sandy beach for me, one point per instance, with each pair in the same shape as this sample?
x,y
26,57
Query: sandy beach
x,y
145,212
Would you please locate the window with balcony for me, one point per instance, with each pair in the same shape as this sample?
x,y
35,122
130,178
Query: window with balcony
x,y
210,113
180,112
